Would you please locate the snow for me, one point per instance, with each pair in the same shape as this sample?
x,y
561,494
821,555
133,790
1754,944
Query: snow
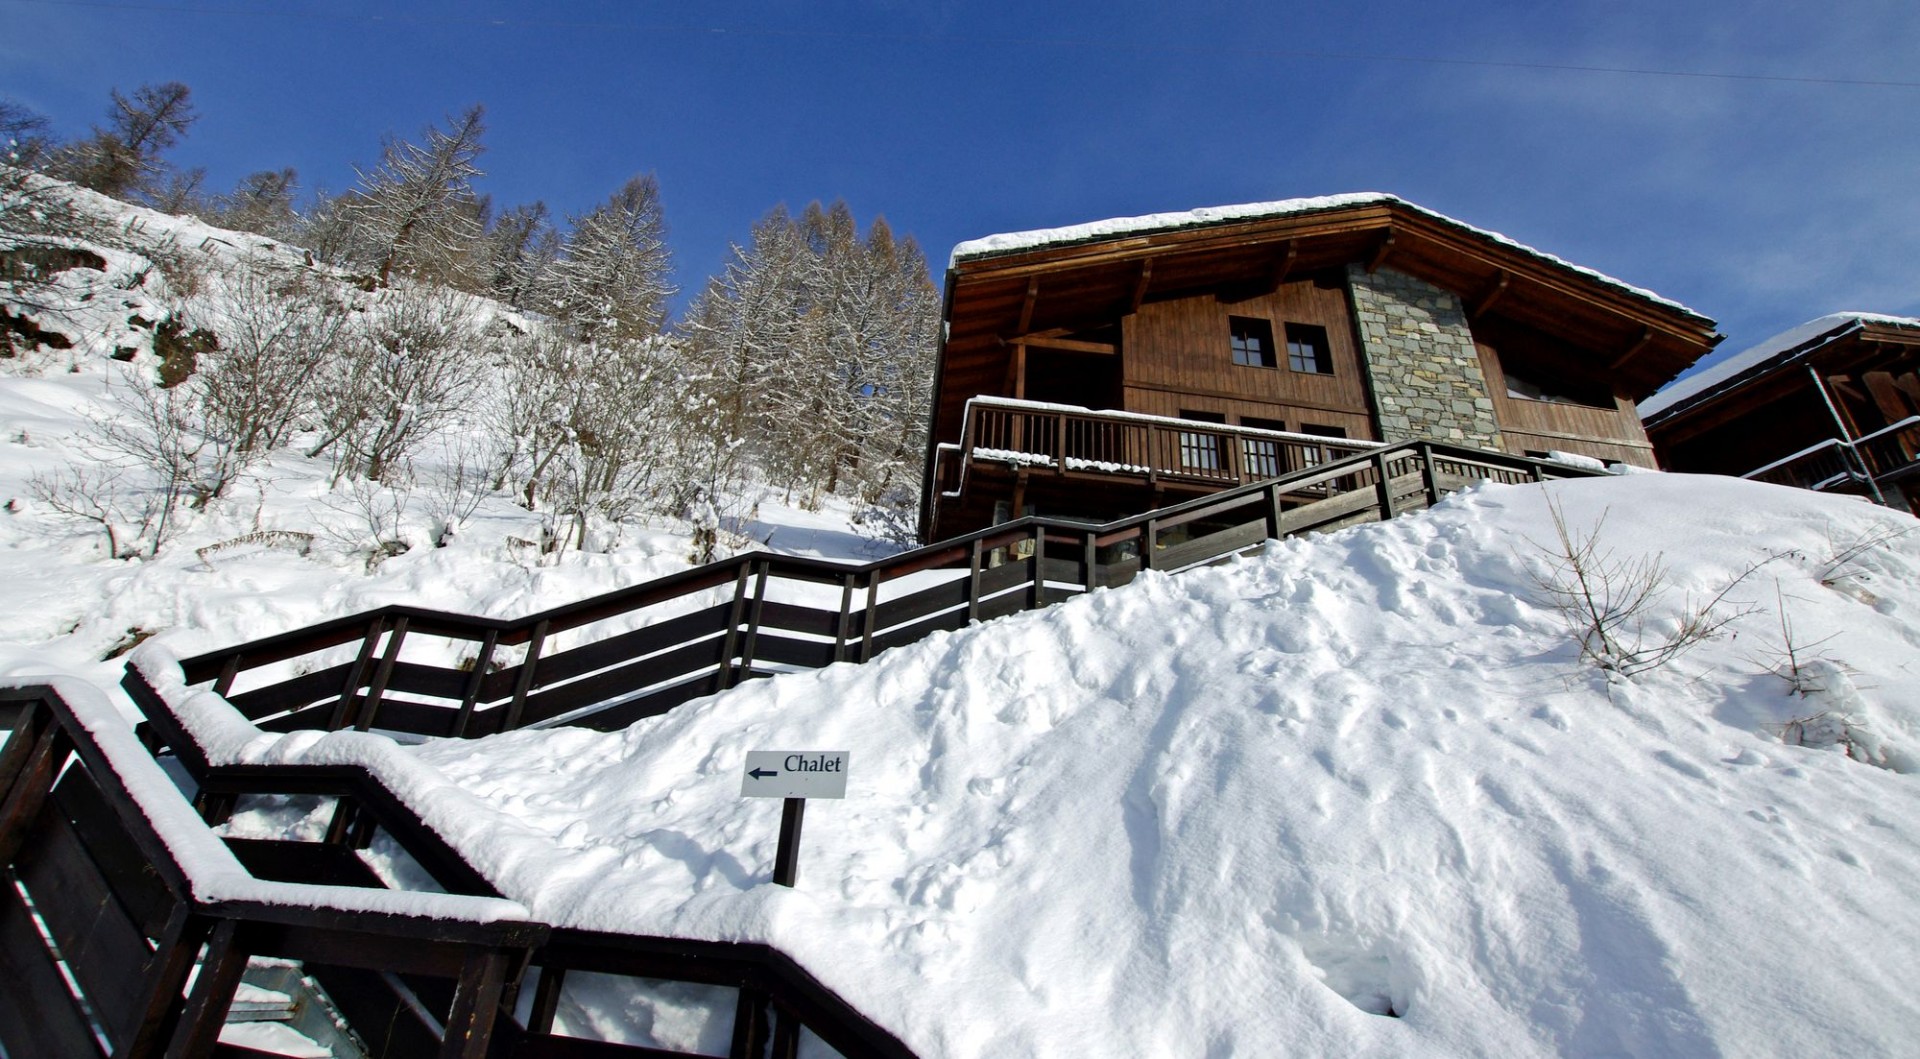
x,y
1252,809
1762,354
1122,227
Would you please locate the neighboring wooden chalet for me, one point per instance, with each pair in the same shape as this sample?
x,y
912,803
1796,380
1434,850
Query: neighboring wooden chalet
x,y
1104,369
1833,404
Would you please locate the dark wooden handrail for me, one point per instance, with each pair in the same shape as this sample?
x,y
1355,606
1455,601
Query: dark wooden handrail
x,y
83,852
611,659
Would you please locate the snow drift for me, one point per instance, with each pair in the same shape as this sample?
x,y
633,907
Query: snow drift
x,y
1353,795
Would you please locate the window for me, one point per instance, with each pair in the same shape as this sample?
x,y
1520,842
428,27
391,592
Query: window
x,y
1263,454
1320,431
1200,452
1307,349
1252,341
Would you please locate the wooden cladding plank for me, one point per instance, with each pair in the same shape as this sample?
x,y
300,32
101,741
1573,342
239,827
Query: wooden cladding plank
x,y
612,683
38,1016
105,951
319,686
303,862
787,650
1060,570
1002,605
134,880
600,654
1118,572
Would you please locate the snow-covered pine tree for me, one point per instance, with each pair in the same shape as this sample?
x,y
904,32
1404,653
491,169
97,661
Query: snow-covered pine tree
x,y
416,211
611,280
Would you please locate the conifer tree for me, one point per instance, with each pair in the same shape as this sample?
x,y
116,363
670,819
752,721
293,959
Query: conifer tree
x,y
124,158
611,280
416,211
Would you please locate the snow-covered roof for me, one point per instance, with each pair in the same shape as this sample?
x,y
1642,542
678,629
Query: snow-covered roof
x,y
1207,216
1772,352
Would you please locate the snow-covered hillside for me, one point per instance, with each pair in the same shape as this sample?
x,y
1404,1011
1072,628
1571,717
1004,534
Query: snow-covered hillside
x,y
1355,795
291,540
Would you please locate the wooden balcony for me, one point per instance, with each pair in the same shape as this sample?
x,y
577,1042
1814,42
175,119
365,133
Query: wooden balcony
x,y
1885,457
1072,442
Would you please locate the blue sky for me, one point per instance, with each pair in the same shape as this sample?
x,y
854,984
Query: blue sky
x,y
1761,200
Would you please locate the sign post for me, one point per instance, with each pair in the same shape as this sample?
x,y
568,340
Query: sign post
x,y
794,775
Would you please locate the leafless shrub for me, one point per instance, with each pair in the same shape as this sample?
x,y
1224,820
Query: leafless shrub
x,y
1613,604
1803,664
291,540
465,480
1844,553
98,494
372,517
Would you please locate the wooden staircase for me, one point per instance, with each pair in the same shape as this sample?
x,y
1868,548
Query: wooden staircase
x,y
608,661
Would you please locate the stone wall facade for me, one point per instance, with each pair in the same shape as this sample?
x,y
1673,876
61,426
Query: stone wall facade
x,y
1422,368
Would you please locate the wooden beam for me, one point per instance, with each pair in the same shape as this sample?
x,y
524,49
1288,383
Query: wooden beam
x,y
1026,307
1020,371
1640,342
1380,255
1072,345
1490,295
1283,266
1140,286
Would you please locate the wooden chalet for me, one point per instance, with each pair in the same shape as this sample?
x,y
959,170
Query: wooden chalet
x,y
1114,367
1833,404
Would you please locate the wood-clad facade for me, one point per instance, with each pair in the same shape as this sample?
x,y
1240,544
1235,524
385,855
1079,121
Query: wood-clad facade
x,y
1362,318
1835,406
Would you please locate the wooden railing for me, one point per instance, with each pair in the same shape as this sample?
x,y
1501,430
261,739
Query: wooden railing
x,y
1885,453
1063,440
610,660
115,898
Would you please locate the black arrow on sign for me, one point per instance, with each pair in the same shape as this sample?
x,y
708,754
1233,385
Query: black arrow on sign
x,y
761,774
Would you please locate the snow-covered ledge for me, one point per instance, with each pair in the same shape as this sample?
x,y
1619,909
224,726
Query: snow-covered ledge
x,y
212,872
508,853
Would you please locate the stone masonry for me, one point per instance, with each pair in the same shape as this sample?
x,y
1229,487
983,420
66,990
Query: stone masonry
x,y
1420,362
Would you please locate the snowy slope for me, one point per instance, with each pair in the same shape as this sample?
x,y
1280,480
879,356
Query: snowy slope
x,y
1252,809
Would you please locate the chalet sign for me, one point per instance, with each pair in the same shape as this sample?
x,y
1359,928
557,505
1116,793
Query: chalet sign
x,y
795,774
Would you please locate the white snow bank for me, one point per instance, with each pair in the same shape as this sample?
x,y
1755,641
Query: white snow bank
x,y
1253,809
1247,810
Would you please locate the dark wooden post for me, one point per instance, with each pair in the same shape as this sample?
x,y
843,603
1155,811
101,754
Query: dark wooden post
x,y
786,857
1382,485
1087,561
729,645
470,696
761,570
974,559
1036,588
845,619
546,999
1060,443
364,719
350,688
213,989
224,682
1147,534
749,1025
476,998
1428,476
525,684
872,615
1273,512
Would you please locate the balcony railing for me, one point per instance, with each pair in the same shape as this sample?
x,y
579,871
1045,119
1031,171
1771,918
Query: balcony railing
x,y
1834,462
1066,439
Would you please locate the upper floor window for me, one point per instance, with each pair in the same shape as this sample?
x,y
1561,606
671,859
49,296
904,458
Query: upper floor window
x,y
1307,349
1252,341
